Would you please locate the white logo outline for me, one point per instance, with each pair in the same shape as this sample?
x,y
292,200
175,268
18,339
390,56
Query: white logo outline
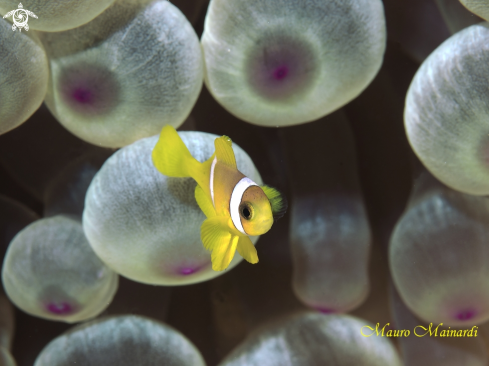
x,y
20,17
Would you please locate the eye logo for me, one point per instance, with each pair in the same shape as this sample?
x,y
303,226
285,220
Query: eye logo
x,y
20,17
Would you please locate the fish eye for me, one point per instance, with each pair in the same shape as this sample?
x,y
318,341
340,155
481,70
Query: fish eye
x,y
246,210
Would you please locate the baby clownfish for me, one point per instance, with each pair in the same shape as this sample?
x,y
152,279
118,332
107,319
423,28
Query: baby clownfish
x,y
234,205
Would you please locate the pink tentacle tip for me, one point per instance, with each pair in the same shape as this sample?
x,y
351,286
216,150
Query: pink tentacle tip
x,y
89,90
281,72
60,308
324,310
82,95
187,271
466,314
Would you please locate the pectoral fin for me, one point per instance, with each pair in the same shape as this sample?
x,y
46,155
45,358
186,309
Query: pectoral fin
x,y
247,250
204,202
216,237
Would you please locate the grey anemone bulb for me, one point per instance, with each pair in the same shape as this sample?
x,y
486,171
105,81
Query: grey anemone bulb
x,y
438,255
50,271
121,341
23,78
310,339
419,349
280,63
478,7
56,16
446,111
132,70
146,226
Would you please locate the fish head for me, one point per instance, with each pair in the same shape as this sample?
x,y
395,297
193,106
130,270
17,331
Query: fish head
x,y
255,211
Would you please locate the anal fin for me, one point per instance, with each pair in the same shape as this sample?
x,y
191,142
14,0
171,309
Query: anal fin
x,y
247,250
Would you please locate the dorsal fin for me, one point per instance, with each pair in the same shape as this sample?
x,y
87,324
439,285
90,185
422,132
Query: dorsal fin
x,y
277,201
224,151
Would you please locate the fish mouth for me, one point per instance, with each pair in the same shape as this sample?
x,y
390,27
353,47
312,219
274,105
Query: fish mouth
x,y
265,227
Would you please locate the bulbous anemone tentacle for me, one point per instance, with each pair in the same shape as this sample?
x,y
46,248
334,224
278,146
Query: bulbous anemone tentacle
x,y
50,271
434,351
135,68
145,225
308,338
447,108
121,341
438,255
329,231
24,76
278,63
55,16
478,7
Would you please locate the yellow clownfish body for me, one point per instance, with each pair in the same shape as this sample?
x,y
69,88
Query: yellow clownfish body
x,y
235,206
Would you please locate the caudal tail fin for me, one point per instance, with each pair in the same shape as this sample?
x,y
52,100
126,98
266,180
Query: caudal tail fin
x,y
170,155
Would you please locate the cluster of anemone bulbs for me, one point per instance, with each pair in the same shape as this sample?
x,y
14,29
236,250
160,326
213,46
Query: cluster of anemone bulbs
x,y
115,72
